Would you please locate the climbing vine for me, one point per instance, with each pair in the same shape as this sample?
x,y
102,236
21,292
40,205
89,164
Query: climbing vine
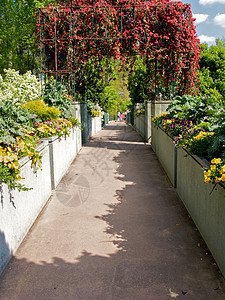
x,y
162,31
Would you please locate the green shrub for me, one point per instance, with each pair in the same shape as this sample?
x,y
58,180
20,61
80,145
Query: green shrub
x,y
42,111
19,88
12,118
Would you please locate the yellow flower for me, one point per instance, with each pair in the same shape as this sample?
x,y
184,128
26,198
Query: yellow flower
x,y
7,158
216,161
217,180
41,129
13,165
213,167
207,180
223,177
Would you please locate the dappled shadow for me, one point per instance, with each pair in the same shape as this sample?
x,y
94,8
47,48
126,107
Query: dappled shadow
x,y
156,245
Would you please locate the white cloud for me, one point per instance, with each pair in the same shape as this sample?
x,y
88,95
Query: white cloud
x,y
205,2
207,39
220,20
200,18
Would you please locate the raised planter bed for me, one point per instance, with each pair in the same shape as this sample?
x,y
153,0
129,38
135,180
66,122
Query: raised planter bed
x,y
166,152
18,210
140,125
96,125
206,209
62,151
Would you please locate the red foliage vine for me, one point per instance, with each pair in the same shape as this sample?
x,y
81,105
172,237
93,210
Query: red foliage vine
x,y
161,30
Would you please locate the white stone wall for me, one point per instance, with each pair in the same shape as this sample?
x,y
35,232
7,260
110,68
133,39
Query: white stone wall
x,y
18,215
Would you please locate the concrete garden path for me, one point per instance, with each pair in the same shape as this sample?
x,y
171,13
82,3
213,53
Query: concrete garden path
x,y
113,229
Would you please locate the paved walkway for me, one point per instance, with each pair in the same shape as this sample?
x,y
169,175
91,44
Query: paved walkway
x,y
113,229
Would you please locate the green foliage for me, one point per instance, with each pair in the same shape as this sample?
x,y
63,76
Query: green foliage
x,y
18,46
92,109
12,118
58,98
41,110
103,82
110,98
8,177
92,79
137,82
19,88
211,74
197,123
196,109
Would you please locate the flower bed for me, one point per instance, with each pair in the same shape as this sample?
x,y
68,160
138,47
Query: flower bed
x,y
196,126
20,209
183,135
205,206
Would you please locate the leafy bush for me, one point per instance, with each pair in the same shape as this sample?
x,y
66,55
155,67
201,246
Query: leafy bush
x,y
211,78
195,109
196,124
19,88
41,110
140,110
137,82
58,98
12,118
11,153
92,109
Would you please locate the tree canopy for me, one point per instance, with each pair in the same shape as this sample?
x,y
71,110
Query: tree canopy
x,y
18,40
212,71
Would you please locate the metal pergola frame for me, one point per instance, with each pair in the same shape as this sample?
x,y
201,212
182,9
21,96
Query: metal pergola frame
x,y
47,63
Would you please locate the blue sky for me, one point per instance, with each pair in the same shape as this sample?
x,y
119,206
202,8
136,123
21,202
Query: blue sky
x,y
210,19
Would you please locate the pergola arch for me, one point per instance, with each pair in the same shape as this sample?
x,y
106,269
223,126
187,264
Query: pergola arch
x,y
162,31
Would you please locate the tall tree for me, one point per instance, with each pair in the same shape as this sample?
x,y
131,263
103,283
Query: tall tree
x,y
212,71
18,46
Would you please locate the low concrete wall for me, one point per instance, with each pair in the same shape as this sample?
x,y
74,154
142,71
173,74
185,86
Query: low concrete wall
x,y
18,210
206,209
84,122
166,152
62,151
79,139
158,107
143,123
98,124
75,109
105,119
140,125
94,125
